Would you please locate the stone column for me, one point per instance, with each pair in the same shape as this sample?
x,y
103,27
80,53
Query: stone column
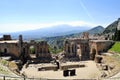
x,y
75,49
35,49
96,49
70,48
66,48
46,49
42,50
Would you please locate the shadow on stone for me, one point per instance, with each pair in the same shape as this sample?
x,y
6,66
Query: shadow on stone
x,y
66,73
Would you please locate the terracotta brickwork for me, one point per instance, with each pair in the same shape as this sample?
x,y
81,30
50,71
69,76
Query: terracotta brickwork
x,y
20,49
85,48
11,48
6,37
77,47
99,46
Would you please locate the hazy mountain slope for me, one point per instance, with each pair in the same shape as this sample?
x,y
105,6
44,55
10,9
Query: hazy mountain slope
x,y
58,40
97,29
51,31
112,27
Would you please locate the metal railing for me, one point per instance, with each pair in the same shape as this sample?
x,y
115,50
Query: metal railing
x,y
3,77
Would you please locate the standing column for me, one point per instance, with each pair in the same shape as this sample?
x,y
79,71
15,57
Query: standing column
x,y
42,49
71,48
36,50
66,48
75,49
46,49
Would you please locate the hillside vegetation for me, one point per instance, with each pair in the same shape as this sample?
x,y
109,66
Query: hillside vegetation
x,y
115,47
56,43
112,27
96,30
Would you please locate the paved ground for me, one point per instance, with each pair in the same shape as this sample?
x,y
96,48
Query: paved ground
x,y
88,72
116,76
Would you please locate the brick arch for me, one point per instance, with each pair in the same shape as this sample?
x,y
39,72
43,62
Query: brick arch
x,y
28,50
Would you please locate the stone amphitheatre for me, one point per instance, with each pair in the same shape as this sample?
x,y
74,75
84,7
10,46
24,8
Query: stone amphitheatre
x,y
82,58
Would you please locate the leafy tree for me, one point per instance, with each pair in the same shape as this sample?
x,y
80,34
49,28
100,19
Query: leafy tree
x,y
117,35
32,50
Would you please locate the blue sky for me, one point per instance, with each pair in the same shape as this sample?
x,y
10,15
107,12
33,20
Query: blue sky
x,y
19,15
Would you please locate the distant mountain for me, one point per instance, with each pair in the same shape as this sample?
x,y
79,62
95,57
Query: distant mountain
x,y
58,40
51,31
112,27
97,29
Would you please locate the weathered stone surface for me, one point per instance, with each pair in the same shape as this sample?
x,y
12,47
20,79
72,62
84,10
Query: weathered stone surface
x,y
21,50
84,48
99,46
98,59
103,74
104,67
77,47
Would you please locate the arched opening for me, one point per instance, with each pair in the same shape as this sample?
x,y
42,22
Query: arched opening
x,y
5,50
93,54
68,49
32,49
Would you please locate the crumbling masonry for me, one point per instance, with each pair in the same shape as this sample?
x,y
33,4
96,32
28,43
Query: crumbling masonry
x,y
84,48
21,50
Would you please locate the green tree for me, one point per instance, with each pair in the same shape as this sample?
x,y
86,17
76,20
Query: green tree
x,y
117,35
32,50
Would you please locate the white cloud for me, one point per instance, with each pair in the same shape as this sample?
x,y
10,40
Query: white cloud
x,y
13,27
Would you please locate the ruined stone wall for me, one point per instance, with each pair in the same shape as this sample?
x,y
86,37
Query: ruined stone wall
x,y
104,46
77,47
101,46
97,47
6,37
21,50
86,49
11,48
43,49
93,46
70,49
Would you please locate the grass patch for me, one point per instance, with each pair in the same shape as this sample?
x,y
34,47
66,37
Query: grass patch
x,y
55,50
12,65
113,60
3,71
115,47
3,62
